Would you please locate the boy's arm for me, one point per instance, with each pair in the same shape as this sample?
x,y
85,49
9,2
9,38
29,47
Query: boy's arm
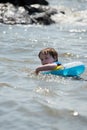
x,y
45,67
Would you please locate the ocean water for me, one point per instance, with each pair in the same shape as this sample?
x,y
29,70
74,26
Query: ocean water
x,y
30,102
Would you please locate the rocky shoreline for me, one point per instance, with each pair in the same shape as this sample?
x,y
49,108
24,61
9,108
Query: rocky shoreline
x,y
34,12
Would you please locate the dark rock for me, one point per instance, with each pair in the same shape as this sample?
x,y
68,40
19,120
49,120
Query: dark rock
x,y
62,12
42,18
25,2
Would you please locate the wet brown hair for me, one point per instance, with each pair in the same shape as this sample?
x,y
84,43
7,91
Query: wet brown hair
x,y
50,51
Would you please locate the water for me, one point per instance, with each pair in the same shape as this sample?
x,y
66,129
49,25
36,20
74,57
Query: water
x,y
43,102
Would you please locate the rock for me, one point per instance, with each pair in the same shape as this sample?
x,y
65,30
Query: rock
x,y
42,18
25,2
9,14
41,14
27,14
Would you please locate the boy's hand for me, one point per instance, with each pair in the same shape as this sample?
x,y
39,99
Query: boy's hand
x,y
36,72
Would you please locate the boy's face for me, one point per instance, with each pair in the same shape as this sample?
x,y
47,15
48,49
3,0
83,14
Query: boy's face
x,y
46,59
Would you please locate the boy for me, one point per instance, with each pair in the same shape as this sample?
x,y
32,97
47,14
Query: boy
x,y
49,60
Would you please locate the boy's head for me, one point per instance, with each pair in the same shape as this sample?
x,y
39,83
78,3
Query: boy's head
x,y
48,55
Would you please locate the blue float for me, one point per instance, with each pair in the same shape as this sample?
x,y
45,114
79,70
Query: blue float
x,y
70,70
